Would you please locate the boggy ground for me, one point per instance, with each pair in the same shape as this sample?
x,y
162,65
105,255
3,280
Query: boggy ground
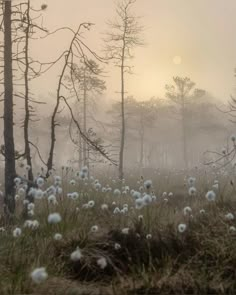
x,y
144,249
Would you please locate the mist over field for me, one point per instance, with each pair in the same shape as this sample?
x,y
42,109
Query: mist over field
x,y
117,147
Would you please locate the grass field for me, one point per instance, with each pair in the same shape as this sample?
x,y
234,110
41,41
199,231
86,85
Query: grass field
x,y
169,233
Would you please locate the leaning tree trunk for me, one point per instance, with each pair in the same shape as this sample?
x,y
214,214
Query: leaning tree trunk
x,y
10,170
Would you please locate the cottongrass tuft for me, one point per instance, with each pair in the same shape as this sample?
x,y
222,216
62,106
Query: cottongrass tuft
x,y
117,246
104,207
136,195
57,237
17,232
116,210
54,218
187,210
91,204
76,255
74,196
140,217
21,192
125,231
192,191
39,194
147,199
147,184
102,262
117,192
52,200
72,182
182,227
94,229
202,211
139,203
39,275
191,181
211,196
31,206
233,138
40,182
232,229
30,213
229,216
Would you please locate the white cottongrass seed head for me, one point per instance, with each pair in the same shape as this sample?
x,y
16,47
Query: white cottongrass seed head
x,y
182,227
229,216
117,246
57,237
76,255
102,262
211,196
125,231
54,218
17,232
187,210
39,275
94,229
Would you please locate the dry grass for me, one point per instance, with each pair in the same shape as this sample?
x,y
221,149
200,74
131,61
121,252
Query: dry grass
x,y
202,260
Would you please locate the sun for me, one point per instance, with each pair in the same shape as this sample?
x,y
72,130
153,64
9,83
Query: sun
x,y
177,60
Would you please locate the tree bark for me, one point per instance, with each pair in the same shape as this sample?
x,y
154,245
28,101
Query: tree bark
x,y
10,170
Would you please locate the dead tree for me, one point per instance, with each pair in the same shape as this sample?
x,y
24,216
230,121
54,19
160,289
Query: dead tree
x,y
30,71
86,78
76,49
123,38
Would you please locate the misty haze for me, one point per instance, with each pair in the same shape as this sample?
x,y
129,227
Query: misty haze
x,y
117,147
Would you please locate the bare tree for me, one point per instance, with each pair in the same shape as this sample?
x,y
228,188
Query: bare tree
x,y
123,37
87,80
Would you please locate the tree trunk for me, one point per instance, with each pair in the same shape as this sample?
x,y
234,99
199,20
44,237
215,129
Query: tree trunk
x,y
185,149
85,121
141,151
27,111
80,152
122,143
10,170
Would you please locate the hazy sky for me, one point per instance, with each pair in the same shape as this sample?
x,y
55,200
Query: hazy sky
x,y
201,32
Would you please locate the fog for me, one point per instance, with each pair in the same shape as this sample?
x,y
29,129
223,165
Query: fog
x,y
194,39
201,32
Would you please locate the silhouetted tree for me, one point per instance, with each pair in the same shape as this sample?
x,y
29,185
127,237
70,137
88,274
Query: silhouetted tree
x,y
87,82
182,92
143,115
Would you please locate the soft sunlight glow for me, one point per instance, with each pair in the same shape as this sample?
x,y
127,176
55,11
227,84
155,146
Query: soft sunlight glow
x,y
177,60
